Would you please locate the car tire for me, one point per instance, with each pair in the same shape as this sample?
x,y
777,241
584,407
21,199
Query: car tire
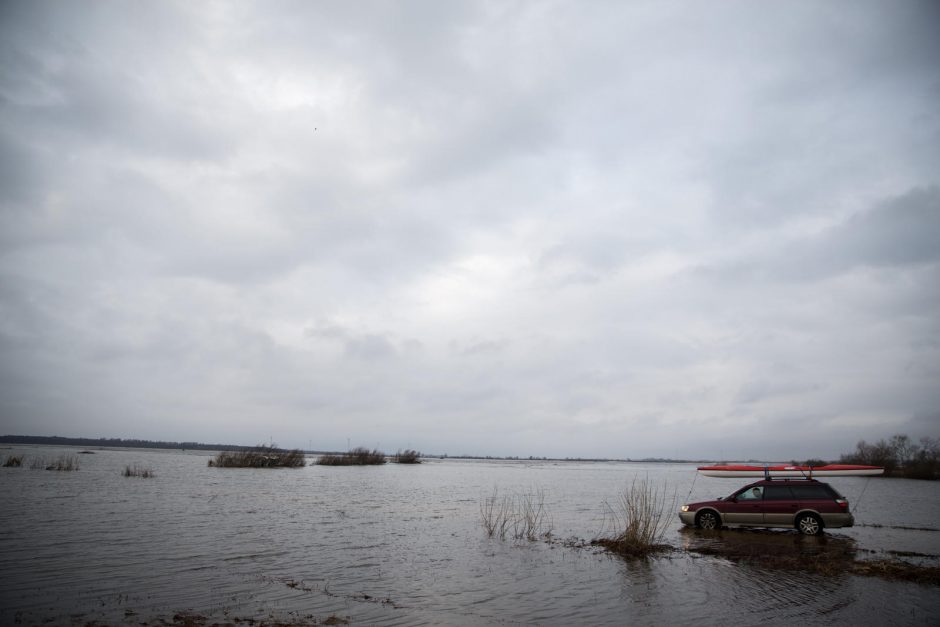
x,y
809,525
708,520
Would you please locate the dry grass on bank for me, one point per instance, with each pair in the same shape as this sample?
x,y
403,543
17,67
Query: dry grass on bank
x,y
261,456
358,456
13,461
521,516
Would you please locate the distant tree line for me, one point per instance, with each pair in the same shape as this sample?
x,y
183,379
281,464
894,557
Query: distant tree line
x,y
116,442
900,456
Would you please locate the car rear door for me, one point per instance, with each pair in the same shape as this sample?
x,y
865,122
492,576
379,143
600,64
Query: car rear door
x,y
780,506
815,497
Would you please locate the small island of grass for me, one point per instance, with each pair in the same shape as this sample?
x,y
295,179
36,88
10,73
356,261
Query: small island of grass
x,y
407,456
359,456
261,456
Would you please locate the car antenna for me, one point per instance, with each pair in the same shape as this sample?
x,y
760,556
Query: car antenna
x,y
689,495
864,487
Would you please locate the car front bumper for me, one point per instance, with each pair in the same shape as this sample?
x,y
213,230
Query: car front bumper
x,y
687,518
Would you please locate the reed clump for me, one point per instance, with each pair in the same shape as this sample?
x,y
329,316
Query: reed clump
x,y
13,461
639,520
408,456
138,471
521,516
62,462
261,456
359,456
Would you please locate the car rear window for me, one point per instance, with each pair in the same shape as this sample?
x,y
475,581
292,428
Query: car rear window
x,y
810,492
777,493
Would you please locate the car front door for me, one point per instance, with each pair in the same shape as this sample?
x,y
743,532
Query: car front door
x,y
744,508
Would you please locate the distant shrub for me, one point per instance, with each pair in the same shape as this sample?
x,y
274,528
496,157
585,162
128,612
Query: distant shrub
x,y
358,456
261,456
408,456
138,471
810,462
13,461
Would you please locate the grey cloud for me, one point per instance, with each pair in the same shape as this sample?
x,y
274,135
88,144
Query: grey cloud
x,y
760,389
81,88
618,224
20,174
900,231
482,347
361,345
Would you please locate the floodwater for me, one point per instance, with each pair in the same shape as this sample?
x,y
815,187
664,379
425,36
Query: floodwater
x,y
404,545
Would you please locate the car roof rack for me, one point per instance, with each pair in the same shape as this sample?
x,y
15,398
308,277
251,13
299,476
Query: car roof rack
x,y
806,475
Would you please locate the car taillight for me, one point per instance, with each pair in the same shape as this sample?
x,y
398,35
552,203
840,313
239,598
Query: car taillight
x,y
843,503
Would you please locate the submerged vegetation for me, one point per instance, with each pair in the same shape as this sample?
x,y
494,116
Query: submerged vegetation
x,y
62,462
138,471
261,456
639,520
359,456
408,456
521,516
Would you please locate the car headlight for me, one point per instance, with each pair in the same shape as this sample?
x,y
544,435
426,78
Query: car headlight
x,y
684,508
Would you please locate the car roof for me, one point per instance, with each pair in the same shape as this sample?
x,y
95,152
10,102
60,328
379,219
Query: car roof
x,y
764,482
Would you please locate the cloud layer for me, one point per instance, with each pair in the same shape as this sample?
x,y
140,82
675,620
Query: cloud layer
x,y
651,229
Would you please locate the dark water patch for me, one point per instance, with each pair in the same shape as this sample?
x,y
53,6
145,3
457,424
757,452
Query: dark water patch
x,y
910,554
906,528
821,555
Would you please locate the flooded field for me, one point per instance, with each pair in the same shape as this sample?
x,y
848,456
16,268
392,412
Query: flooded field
x,y
403,545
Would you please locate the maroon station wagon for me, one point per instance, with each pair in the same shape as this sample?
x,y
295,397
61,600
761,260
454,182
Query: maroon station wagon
x,y
804,504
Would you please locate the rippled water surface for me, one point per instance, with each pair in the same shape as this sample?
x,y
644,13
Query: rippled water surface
x,y
404,545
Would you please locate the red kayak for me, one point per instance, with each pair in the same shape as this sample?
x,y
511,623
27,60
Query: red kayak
x,y
831,470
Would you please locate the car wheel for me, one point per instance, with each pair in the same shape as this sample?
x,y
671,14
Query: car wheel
x,y
809,524
707,520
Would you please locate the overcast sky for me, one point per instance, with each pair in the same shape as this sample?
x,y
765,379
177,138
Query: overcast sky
x,y
625,229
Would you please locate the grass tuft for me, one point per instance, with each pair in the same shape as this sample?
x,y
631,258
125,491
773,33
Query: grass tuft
x,y
358,456
261,456
138,471
521,516
639,520
13,461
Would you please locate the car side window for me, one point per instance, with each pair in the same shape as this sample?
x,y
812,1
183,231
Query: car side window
x,y
777,493
751,494
808,492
